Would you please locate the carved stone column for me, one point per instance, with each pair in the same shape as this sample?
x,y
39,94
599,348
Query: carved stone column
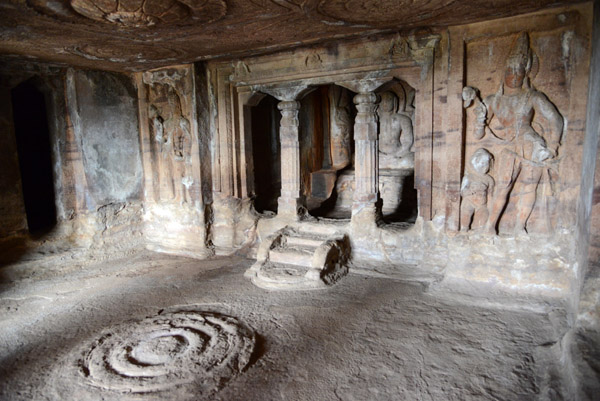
x,y
290,198
366,153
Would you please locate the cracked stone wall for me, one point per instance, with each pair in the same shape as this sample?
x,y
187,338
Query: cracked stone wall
x,y
103,109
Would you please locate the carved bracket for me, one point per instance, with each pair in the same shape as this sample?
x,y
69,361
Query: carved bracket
x,y
285,93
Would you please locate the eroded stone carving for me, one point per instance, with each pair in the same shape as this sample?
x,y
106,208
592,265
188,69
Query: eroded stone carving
x,y
528,155
476,188
395,133
171,132
340,127
313,60
139,13
241,69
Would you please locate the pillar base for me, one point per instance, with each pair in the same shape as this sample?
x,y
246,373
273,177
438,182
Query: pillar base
x,y
290,208
365,214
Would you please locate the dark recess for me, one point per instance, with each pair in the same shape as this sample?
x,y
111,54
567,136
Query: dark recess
x,y
266,154
35,161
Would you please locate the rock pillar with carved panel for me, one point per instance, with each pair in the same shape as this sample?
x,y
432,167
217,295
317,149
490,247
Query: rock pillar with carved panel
x,y
174,208
290,199
366,154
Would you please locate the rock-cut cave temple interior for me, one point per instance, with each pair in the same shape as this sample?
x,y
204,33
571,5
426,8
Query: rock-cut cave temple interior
x,y
299,200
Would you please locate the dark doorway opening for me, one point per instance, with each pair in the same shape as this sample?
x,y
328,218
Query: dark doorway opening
x,y
327,119
35,160
407,209
266,154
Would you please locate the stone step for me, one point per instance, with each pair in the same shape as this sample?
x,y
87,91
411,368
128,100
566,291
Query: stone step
x,y
292,256
312,229
305,240
282,271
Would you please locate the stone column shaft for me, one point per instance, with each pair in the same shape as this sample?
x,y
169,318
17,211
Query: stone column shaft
x,y
366,152
290,198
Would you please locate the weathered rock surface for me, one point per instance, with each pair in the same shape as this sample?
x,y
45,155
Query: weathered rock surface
x,y
365,338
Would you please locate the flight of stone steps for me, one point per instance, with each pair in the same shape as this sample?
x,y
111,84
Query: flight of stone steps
x,y
302,256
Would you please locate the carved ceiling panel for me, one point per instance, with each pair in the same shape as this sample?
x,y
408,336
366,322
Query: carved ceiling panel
x,y
134,13
144,34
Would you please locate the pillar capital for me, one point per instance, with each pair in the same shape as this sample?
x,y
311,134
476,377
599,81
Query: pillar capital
x,y
365,98
288,105
366,104
286,92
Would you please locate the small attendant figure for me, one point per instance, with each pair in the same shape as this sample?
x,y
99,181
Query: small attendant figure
x,y
476,187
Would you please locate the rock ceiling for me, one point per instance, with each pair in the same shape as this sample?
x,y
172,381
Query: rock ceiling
x,y
142,34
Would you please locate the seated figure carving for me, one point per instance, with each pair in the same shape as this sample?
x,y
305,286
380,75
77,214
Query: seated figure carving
x,y
395,134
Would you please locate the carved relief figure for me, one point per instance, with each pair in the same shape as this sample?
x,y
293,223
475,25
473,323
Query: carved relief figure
x,y
395,133
173,141
340,127
527,152
476,188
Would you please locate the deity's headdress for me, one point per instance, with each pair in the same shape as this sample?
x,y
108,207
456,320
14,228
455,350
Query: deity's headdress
x,y
520,54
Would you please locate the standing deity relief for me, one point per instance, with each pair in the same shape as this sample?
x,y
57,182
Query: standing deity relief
x,y
526,130
172,135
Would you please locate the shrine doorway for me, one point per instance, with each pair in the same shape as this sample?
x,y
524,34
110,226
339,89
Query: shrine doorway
x,y
266,154
35,156
327,151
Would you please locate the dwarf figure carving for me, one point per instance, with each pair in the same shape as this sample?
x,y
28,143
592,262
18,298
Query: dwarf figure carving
x,y
476,188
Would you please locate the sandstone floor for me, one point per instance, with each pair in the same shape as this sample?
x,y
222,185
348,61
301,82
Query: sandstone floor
x,y
366,338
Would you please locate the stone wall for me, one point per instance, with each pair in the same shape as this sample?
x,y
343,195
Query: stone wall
x,y
586,333
497,155
103,111
95,152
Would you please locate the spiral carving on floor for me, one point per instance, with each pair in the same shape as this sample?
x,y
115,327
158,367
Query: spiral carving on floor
x,y
171,349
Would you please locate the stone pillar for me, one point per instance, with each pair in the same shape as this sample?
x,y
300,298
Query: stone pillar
x,y
366,153
290,198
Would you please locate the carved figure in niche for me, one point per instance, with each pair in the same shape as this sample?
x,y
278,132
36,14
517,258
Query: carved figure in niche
x,y
476,188
340,127
527,154
395,133
174,142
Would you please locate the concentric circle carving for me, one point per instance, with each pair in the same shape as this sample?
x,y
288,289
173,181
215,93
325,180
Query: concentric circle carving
x,y
377,12
135,13
171,349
